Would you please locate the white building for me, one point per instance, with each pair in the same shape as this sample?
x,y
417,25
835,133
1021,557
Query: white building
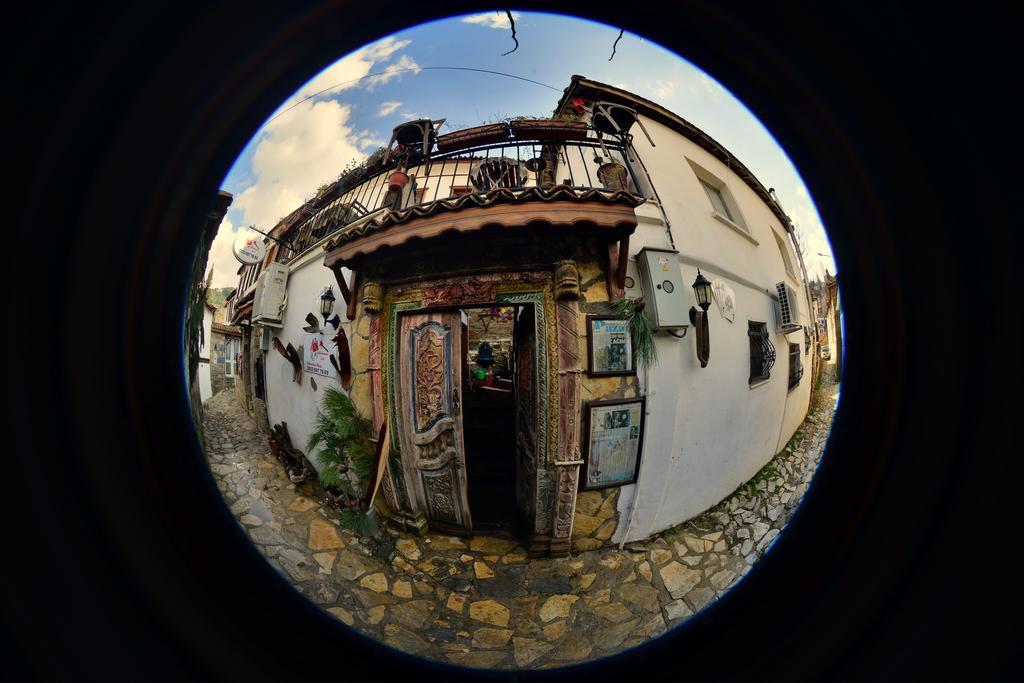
x,y
534,221
205,383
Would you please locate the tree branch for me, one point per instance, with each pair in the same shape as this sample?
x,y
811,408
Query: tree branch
x,y
512,24
621,31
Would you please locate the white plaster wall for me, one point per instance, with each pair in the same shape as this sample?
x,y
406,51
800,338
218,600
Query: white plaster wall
x,y
205,385
708,430
287,401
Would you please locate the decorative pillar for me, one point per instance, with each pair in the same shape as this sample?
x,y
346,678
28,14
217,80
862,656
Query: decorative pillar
x,y
567,458
567,280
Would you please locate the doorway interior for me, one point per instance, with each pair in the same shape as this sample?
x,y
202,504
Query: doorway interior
x,y
489,417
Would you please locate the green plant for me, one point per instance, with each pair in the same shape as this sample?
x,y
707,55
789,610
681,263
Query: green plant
x,y
346,454
194,321
639,328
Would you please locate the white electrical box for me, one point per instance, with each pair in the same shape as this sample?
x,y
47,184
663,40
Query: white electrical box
x,y
667,298
787,310
269,297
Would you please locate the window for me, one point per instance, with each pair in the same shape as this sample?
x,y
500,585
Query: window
x,y
717,200
787,260
796,369
762,352
230,354
723,204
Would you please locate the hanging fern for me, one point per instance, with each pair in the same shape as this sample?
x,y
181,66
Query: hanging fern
x,y
639,327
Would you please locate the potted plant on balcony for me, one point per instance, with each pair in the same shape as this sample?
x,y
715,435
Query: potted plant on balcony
x,y
549,130
399,178
613,175
473,137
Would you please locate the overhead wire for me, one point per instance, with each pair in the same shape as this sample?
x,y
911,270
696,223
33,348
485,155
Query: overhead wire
x,y
416,68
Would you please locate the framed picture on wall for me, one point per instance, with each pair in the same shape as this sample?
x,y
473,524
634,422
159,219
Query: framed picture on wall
x,y
613,433
609,347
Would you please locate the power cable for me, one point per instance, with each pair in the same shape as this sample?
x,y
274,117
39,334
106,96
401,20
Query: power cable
x,y
417,68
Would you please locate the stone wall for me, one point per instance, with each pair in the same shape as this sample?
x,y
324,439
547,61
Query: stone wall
x,y
596,518
219,379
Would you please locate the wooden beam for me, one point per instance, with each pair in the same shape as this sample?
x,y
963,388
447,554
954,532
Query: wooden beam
x,y
620,281
350,312
342,285
614,290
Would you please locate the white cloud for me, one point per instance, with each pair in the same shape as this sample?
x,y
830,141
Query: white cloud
x,y
662,89
392,71
711,87
296,154
347,72
387,108
491,19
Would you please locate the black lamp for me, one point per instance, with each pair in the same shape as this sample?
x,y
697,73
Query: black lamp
x,y
327,307
702,291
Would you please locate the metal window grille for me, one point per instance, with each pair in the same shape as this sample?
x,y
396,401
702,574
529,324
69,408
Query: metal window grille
x,y
762,352
796,369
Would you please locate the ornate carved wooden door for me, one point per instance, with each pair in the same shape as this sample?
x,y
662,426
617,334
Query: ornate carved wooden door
x,y
431,389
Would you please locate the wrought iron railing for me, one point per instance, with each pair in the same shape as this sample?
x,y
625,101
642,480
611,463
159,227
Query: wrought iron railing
x,y
514,164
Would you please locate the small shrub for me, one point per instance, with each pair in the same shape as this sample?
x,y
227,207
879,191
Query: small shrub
x,y
346,454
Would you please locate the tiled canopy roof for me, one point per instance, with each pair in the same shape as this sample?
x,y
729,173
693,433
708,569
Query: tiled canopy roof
x,y
556,193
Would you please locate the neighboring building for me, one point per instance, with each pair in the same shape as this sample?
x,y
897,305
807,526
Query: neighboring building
x,y
225,347
514,235
832,349
197,310
206,387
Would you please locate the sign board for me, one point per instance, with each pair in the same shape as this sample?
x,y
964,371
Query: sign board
x,y
614,435
725,297
609,347
317,359
249,248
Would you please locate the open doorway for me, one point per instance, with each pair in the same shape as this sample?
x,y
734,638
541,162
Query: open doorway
x,y
489,416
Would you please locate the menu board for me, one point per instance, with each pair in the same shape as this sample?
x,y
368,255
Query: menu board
x,y
614,439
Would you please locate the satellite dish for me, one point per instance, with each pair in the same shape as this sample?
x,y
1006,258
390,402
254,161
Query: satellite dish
x,y
249,248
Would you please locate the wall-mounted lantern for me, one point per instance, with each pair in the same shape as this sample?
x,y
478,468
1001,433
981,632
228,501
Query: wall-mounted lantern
x,y
702,291
327,307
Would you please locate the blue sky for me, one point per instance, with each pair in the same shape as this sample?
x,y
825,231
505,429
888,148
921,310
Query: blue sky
x,y
308,140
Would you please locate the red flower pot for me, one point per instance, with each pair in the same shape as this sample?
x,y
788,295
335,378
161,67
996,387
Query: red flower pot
x,y
397,181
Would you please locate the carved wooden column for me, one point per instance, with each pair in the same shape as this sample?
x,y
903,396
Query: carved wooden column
x,y
567,458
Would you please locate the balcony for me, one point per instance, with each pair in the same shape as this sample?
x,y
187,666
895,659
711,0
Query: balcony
x,y
514,171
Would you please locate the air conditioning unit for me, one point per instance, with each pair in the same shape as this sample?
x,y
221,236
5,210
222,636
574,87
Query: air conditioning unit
x,y
787,311
269,297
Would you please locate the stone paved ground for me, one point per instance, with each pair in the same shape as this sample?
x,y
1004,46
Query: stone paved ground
x,y
480,602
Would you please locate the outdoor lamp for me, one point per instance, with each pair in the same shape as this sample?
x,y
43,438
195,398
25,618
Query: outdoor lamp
x,y
327,306
702,291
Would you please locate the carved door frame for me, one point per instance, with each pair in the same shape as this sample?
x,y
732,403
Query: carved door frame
x,y
558,355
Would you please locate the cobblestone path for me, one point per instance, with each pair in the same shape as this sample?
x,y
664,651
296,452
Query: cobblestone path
x,y
480,602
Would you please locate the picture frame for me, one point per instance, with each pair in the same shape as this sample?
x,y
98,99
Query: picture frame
x,y
610,350
613,433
